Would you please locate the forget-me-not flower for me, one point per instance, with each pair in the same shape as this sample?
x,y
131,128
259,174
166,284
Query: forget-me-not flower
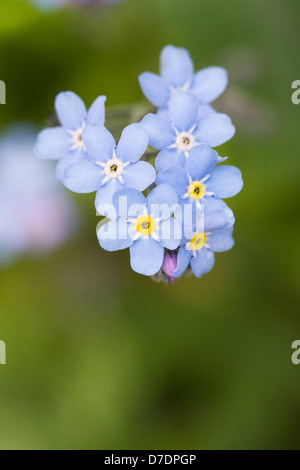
x,y
111,167
177,73
178,135
202,183
65,143
145,225
198,249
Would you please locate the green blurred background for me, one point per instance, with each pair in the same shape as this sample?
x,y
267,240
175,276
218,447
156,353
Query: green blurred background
x,y
101,358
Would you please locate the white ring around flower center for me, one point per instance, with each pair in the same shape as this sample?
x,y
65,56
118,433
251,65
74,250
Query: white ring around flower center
x,y
114,168
185,141
77,138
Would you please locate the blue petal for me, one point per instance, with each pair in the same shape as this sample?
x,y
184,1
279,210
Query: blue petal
x,y
99,142
114,235
225,181
176,66
72,157
83,177
183,260
209,84
159,130
53,143
104,199
214,221
133,143
96,113
183,111
129,203
154,88
162,201
203,262
201,161
221,240
168,158
215,129
204,110
139,175
170,233
146,257
176,177
212,204
71,110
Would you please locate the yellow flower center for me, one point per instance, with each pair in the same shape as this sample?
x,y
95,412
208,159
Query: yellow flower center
x,y
197,190
198,242
145,225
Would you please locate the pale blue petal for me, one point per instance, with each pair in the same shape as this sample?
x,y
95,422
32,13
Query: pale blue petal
x,y
154,88
205,110
129,203
225,181
83,177
71,110
209,84
53,143
114,235
176,66
215,129
221,240
139,175
170,233
99,142
168,158
72,157
212,204
162,201
146,257
104,199
201,161
183,111
183,261
133,143
160,131
176,177
214,221
203,262
96,113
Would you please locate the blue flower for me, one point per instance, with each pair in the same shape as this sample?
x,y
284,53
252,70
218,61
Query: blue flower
x,y
111,167
183,131
198,250
65,143
146,226
203,184
177,73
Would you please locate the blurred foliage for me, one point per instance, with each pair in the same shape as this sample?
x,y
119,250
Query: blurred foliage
x,y
101,358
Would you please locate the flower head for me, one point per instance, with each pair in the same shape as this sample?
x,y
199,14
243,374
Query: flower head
x,y
111,167
182,131
198,249
202,183
65,143
145,225
177,73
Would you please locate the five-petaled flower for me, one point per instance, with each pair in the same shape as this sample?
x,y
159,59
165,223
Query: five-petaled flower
x,y
145,225
65,143
178,134
177,73
111,167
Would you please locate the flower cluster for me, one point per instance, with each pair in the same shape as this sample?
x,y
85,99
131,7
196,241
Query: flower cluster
x,y
171,217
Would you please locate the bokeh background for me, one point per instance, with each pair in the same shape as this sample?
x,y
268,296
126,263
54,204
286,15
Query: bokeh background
x,y
101,358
